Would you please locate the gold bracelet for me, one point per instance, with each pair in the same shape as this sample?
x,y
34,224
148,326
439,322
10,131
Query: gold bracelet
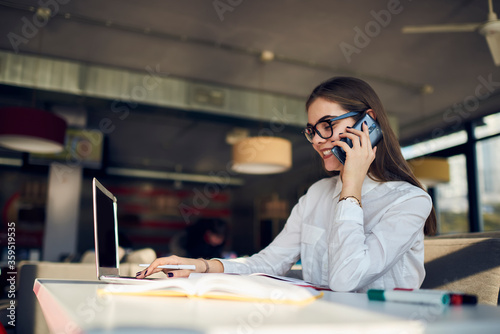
x,y
353,197
206,265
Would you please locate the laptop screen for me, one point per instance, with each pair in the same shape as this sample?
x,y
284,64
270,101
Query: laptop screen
x,y
106,233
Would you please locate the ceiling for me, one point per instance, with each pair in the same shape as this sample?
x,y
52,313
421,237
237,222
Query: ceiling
x,y
428,82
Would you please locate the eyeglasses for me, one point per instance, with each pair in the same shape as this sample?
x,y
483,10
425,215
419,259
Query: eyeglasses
x,y
324,128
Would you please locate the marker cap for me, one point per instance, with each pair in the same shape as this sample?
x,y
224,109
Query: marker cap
x,y
374,294
462,299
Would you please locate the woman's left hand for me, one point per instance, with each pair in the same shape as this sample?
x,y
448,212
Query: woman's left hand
x,y
359,157
154,267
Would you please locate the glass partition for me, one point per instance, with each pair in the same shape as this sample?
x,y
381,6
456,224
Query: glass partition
x,y
451,199
488,160
489,127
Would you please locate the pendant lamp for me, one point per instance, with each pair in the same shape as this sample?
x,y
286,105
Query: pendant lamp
x,y
31,130
431,170
262,155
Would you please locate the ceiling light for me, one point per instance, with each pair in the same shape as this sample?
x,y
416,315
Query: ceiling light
x,y
491,31
266,56
262,155
31,130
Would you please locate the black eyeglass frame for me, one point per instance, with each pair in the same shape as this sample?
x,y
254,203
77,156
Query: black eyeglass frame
x,y
331,120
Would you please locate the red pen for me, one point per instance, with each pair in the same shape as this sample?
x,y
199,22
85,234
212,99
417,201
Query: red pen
x,y
456,298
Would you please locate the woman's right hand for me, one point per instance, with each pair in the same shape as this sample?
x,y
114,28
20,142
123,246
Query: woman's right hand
x,y
201,266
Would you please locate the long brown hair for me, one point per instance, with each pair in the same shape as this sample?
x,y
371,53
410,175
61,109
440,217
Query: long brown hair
x,y
353,94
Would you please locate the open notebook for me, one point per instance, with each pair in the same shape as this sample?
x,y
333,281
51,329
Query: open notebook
x,y
106,238
251,288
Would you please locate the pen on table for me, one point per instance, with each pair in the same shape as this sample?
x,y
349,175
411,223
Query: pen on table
x,y
172,266
415,297
456,298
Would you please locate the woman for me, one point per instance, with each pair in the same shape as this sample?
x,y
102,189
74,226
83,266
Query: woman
x,y
361,229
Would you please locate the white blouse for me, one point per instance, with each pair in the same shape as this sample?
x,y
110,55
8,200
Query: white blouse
x,y
348,248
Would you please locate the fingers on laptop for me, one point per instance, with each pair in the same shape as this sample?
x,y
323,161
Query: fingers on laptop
x,y
144,273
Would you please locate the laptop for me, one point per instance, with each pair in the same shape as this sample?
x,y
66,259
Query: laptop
x,y
106,238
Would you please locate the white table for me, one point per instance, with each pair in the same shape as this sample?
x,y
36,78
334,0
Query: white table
x,y
74,307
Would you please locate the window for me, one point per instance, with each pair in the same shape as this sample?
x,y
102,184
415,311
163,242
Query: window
x,y
434,145
451,200
488,160
490,126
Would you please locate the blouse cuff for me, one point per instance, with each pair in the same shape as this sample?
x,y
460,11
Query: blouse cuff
x,y
349,211
232,266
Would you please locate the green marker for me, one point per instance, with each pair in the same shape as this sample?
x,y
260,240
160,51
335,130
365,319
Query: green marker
x,y
414,297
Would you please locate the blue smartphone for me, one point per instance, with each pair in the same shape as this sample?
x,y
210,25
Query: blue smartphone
x,y
375,136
